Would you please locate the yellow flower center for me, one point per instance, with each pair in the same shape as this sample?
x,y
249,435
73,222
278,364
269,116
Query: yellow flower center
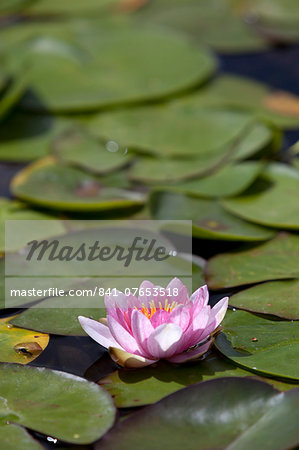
x,y
150,310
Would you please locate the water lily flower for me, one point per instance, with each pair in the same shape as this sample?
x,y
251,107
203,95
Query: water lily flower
x,y
159,324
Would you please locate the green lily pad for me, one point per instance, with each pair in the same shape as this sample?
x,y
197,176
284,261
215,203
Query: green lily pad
x,y
148,385
210,220
274,260
121,65
25,137
263,346
60,404
231,413
19,345
279,108
278,298
229,180
217,24
13,93
13,210
64,7
174,131
79,149
49,184
10,6
280,191
14,437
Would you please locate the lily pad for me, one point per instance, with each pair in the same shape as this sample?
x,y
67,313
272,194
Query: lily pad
x,y
14,437
19,345
280,191
64,7
50,184
148,385
210,220
79,149
242,93
13,93
278,298
60,404
263,346
174,130
26,137
218,24
122,64
229,180
277,259
240,412
13,210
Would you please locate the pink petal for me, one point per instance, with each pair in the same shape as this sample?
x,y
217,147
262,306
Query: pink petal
x,y
201,294
183,295
192,354
216,317
155,296
118,299
98,332
141,328
161,316
197,327
129,360
124,339
164,341
181,316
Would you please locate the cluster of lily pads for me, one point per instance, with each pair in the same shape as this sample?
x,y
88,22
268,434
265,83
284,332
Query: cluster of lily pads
x,y
118,111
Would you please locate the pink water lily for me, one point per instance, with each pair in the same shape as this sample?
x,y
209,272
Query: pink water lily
x,y
159,324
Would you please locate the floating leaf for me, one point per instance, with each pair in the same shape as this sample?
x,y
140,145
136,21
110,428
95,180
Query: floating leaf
x,y
25,137
148,385
64,7
13,210
280,190
12,94
277,259
55,403
228,181
263,346
210,220
49,184
79,149
14,437
174,130
278,298
244,94
217,24
242,413
122,64
18,345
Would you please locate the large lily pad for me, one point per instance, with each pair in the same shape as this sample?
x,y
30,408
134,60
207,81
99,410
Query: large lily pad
x,y
245,94
263,346
275,204
25,137
175,130
210,220
150,384
218,24
55,403
274,260
279,298
14,437
18,345
230,413
120,64
79,149
14,210
229,180
64,7
50,184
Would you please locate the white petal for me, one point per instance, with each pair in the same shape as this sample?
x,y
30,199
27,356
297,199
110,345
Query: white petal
x,y
163,342
129,360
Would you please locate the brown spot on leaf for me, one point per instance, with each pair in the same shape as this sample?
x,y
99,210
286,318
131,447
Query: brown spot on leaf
x,y
212,224
28,348
282,102
131,5
88,189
